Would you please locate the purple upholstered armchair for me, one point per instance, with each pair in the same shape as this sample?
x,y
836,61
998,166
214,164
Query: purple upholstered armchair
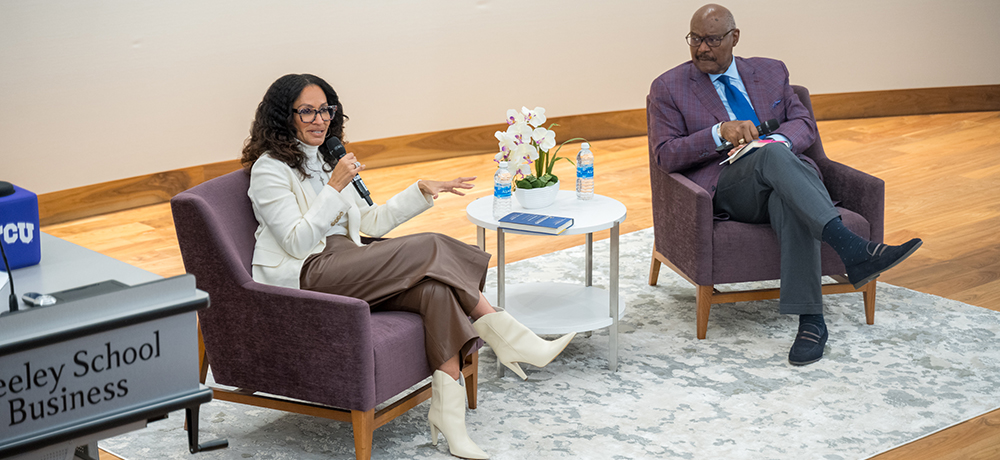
x,y
708,252
327,349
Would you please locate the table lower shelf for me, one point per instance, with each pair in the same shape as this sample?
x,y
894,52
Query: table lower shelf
x,y
558,308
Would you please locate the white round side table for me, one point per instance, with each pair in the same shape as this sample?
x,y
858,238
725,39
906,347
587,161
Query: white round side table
x,y
559,308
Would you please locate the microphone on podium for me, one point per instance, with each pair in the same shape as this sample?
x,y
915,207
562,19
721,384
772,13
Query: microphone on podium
x,y
764,129
336,148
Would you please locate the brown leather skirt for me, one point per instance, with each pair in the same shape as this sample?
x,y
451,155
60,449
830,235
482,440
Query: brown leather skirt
x,y
433,275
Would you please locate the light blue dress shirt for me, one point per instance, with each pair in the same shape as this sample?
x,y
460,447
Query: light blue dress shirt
x,y
737,82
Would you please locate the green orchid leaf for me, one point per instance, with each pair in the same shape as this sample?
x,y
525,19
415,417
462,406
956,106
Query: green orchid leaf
x,y
564,158
554,155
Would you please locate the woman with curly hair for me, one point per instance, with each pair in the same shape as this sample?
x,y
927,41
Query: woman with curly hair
x,y
308,237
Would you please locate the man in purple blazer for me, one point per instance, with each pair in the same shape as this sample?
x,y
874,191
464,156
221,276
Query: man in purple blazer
x,y
716,98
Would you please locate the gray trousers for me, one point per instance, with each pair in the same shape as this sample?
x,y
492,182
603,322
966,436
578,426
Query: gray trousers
x,y
772,185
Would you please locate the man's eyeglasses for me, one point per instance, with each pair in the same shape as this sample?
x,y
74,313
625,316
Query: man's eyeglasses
x,y
713,41
309,115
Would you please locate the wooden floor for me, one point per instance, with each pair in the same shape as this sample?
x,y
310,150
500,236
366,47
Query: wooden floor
x,y
942,176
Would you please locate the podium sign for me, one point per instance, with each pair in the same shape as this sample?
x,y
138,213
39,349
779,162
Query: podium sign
x,y
77,368
65,383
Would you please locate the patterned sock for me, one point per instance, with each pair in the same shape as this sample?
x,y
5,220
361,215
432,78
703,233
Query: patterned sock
x,y
851,248
812,319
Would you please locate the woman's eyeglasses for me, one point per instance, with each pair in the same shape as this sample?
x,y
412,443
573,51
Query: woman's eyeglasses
x,y
307,115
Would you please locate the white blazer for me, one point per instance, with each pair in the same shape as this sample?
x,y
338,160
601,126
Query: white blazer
x,y
293,219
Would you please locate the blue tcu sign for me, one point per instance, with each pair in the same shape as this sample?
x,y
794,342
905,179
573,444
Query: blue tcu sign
x,y
19,228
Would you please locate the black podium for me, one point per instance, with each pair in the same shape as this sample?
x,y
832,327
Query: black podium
x,y
88,369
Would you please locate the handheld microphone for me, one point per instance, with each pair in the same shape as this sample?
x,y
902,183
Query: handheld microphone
x,y
764,129
6,188
336,148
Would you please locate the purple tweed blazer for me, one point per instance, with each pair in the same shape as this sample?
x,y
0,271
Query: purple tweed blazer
x,y
683,105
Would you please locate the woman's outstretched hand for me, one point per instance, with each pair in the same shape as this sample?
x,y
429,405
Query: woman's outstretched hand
x,y
434,187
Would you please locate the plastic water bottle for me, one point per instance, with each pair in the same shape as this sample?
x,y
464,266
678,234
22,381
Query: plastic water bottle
x,y
501,191
585,173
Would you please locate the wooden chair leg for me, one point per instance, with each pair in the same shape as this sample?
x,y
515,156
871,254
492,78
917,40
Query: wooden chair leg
x,y
471,372
364,425
869,297
654,270
704,302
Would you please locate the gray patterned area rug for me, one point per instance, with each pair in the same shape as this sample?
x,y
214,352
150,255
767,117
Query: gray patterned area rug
x,y
927,363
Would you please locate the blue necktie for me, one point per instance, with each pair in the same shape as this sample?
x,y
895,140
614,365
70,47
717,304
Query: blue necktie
x,y
741,108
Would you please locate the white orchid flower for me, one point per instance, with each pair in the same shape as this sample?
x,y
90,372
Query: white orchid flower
x,y
515,166
525,169
549,142
545,138
513,117
525,150
506,143
537,117
520,132
529,117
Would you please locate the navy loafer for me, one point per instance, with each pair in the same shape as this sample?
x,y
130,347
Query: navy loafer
x,y
885,258
808,345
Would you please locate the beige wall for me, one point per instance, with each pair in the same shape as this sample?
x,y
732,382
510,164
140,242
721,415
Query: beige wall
x,y
92,91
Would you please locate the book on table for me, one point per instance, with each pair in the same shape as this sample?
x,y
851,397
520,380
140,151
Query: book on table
x,y
538,223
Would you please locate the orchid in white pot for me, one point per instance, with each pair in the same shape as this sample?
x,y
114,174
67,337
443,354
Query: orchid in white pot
x,y
525,146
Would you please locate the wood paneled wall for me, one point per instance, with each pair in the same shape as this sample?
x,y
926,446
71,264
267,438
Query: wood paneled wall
x,y
902,102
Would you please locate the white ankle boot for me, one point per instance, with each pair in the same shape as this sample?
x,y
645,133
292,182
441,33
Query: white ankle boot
x,y
514,343
447,415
